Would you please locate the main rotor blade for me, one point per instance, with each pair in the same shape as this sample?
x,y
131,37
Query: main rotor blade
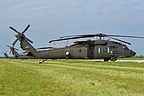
x,y
14,29
94,35
15,42
124,36
29,40
61,39
100,35
78,36
45,48
71,36
121,41
74,37
26,29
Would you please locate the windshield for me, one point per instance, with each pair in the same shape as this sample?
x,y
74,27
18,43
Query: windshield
x,y
125,47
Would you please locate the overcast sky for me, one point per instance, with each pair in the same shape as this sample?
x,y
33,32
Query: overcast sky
x,y
50,19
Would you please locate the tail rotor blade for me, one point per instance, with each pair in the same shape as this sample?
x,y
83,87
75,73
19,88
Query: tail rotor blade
x,y
26,29
14,29
29,40
15,42
15,48
8,46
10,52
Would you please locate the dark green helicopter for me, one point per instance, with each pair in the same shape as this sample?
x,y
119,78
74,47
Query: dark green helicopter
x,y
16,55
5,54
89,49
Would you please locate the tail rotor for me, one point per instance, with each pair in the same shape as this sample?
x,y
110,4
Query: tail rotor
x,y
20,35
12,48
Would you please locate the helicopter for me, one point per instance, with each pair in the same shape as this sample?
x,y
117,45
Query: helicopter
x,y
88,49
17,55
5,54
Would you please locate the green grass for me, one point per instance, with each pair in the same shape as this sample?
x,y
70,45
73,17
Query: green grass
x,y
70,78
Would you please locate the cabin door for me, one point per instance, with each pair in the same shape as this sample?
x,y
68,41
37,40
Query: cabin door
x,y
90,52
102,52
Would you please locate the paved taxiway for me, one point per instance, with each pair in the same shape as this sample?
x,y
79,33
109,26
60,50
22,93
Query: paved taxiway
x,y
138,61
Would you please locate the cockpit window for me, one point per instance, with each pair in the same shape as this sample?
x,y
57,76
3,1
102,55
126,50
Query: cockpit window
x,y
125,47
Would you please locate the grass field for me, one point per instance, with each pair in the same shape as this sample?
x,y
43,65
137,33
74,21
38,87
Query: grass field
x,y
70,78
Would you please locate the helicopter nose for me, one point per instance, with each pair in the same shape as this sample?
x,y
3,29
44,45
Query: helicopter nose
x,y
133,53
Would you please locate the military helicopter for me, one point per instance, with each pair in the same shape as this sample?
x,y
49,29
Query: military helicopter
x,y
89,49
17,55
5,54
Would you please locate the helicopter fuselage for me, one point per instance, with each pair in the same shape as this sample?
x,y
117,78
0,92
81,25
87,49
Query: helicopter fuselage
x,y
98,49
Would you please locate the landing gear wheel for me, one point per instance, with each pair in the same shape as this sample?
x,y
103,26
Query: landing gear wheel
x,y
113,59
106,59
